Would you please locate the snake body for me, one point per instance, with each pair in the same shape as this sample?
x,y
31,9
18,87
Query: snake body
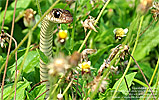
x,y
46,37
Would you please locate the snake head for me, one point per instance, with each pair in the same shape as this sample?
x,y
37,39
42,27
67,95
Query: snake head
x,y
60,16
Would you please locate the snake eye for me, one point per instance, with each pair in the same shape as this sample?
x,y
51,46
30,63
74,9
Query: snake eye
x,y
56,14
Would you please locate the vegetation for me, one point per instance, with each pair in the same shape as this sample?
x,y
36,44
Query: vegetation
x,y
110,50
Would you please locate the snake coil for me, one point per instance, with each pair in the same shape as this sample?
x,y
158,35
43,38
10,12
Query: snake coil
x,y
46,37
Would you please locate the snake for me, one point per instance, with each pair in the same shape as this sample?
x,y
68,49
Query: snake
x,y
54,17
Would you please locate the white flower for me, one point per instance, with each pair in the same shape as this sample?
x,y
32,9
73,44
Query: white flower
x,y
60,96
119,33
85,66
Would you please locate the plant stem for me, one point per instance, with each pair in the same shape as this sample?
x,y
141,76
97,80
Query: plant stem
x,y
157,83
105,5
4,16
127,68
38,6
140,82
15,62
152,77
145,29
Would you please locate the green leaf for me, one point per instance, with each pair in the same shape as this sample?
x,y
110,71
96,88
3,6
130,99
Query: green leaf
x,y
146,43
147,70
70,97
21,86
29,96
43,57
1,61
30,67
123,87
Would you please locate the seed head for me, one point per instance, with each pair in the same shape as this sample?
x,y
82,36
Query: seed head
x,y
155,10
95,83
58,66
3,38
89,24
85,53
29,19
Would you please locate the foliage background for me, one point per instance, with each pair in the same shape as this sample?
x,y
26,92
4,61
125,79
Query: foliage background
x,y
118,14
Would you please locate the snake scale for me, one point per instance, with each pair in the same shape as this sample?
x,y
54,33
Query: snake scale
x,y
46,37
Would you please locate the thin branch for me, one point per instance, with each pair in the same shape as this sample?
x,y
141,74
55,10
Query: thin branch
x,y
20,69
15,62
79,90
142,74
4,14
147,27
41,94
5,70
37,85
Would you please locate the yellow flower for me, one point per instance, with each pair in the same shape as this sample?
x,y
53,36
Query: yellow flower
x,y
85,66
119,32
62,34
